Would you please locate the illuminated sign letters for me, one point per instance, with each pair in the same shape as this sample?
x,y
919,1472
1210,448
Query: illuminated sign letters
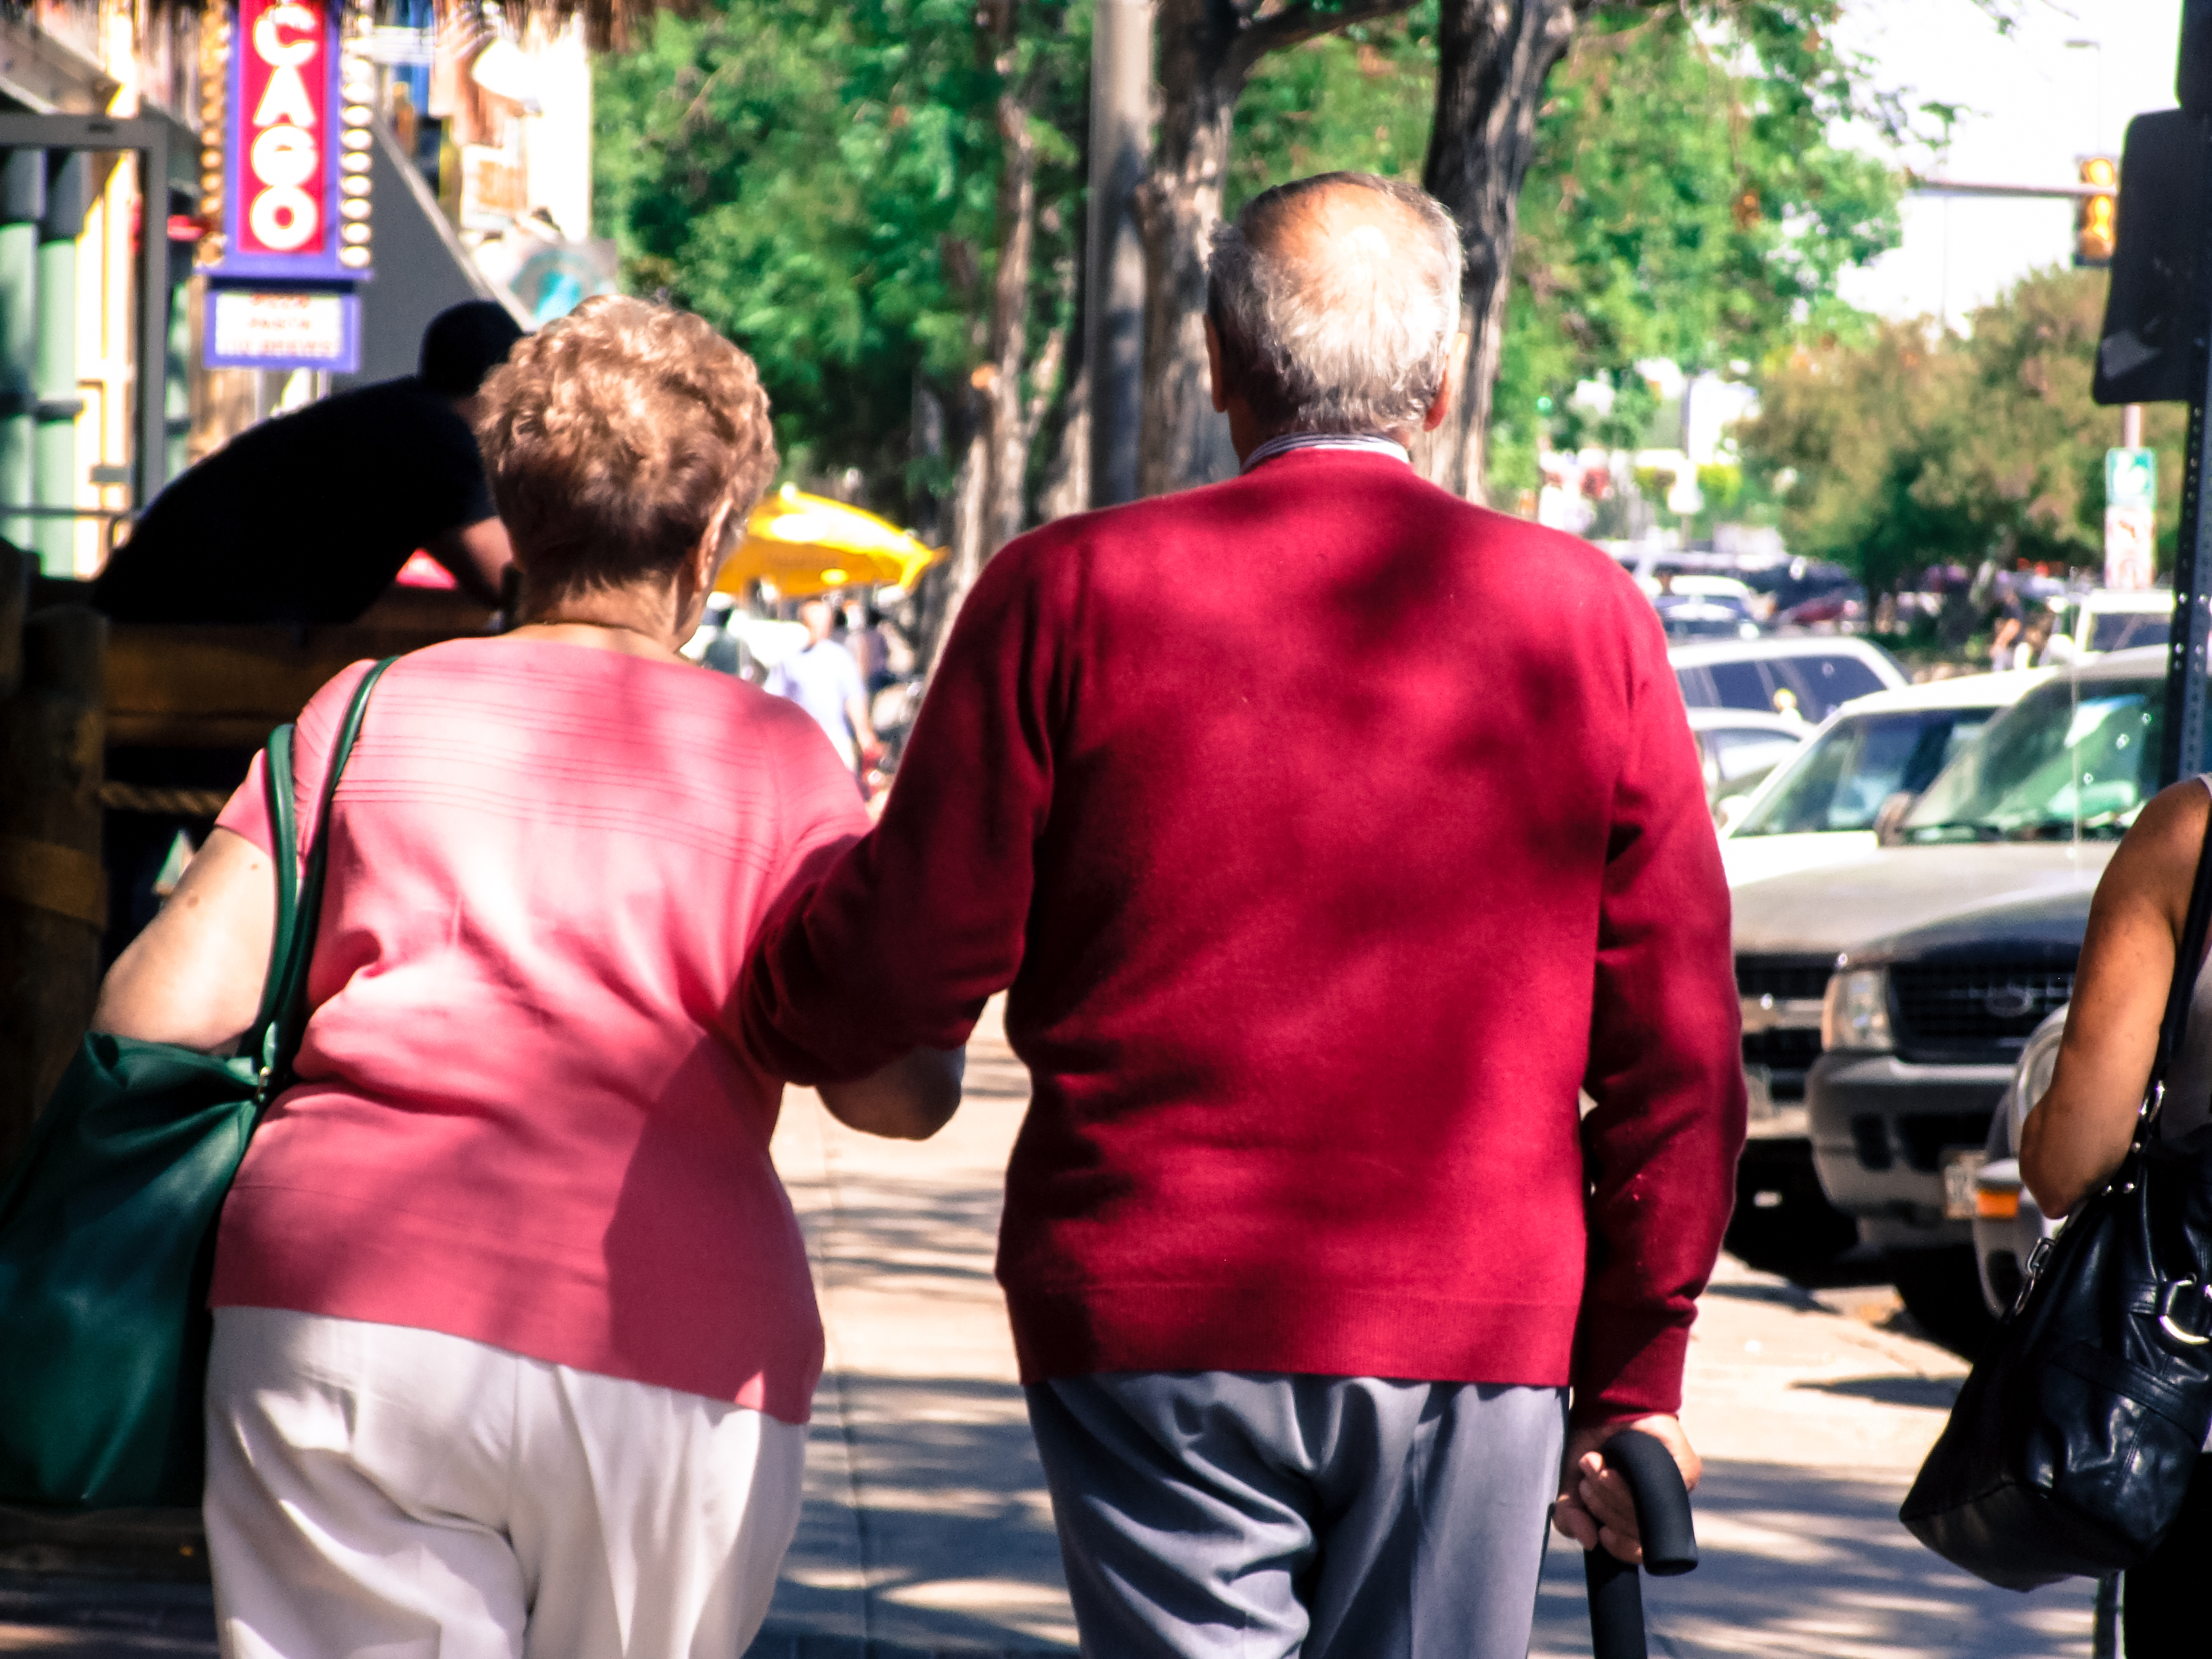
x,y
285,50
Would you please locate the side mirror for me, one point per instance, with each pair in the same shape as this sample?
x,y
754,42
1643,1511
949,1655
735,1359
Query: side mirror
x,y
1889,818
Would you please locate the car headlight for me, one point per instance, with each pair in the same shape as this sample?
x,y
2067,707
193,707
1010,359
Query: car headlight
x,y
2031,1076
1856,1013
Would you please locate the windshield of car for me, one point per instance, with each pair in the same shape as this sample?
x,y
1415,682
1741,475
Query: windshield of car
x,y
1808,686
2118,630
1841,781
2063,755
1733,754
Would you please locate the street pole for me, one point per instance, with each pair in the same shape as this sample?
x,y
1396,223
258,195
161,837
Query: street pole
x,y
58,401
2183,744
22,204
1114,290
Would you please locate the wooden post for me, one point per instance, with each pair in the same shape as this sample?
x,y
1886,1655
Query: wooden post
x,y
53,899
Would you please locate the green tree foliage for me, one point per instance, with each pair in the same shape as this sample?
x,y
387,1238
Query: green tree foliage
x,y
1903,447
817,180
1684,202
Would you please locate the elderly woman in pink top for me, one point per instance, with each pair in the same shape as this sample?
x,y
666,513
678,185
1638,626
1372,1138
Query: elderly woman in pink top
x,y
514,1334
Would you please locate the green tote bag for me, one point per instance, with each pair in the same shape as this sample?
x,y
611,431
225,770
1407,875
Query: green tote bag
x,y
107,1222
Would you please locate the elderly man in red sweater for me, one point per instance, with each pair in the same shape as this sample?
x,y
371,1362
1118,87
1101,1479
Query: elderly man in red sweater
x,y
1331,834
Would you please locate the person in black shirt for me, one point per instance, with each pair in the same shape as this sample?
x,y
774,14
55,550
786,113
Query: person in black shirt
x,y
306,518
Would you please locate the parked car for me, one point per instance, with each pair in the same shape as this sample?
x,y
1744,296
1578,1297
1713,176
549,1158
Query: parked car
x,y
1821,807
1740,749
1923,1027
2007,1224
1839,607
1809,676
2107,620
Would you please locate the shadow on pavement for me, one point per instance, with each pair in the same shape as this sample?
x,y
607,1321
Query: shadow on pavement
x,y
1933,1392
952,1531
1799,1563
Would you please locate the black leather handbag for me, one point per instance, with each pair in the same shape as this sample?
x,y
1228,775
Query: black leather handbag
x,y
2070,1446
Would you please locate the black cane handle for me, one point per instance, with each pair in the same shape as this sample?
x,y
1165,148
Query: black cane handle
x,y
1662,1503
1670,1544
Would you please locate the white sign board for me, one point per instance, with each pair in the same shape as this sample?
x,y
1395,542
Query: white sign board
x,y
2131,548
255,329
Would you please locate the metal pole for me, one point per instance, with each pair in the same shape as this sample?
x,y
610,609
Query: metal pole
x,y
1114,296
22,204
2183,741
54,474
154,310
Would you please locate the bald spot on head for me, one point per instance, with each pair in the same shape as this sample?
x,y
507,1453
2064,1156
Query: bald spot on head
x,y
1343,238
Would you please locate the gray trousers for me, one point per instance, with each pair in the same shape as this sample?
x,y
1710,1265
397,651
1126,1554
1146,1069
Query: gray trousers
x,y
1239,1515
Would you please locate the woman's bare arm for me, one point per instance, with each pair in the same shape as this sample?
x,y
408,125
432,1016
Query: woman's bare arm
x,y
194,976
910,1099
2077,1135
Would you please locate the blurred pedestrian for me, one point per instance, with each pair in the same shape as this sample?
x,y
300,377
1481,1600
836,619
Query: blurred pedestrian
x,y
514,1337
2077,1134
1305,1240
822,677
307,518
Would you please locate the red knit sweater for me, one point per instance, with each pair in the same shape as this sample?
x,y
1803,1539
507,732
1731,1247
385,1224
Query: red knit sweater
x,y
1330,832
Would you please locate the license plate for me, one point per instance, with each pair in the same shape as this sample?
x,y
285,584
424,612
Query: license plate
x,y
1960,1168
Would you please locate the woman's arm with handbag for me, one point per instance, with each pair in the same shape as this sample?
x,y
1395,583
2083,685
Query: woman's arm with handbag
x,y
2075,1137
194,976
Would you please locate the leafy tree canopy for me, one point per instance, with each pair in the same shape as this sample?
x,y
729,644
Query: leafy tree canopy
x,y
1911,447
816,179
1685,201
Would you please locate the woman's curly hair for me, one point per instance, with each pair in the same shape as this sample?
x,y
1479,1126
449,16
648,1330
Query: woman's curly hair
x,y
613,435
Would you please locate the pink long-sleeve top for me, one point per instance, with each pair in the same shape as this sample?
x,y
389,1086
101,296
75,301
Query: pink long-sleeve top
x,y
523,1115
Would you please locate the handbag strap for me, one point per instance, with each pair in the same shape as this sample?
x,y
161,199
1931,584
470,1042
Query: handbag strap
x,y
284,998
2188,963
284,832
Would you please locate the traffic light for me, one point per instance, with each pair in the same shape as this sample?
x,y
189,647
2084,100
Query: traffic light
x,y
2097,220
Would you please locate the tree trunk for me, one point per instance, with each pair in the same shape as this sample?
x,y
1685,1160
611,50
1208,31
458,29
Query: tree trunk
x,y
1178,208
988,505
1493,58
1206,50
1005,440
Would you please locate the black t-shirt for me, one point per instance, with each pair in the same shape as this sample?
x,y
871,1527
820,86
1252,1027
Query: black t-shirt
x,y
303,518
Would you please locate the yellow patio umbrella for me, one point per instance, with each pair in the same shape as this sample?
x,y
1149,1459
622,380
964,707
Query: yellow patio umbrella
x,y
802,545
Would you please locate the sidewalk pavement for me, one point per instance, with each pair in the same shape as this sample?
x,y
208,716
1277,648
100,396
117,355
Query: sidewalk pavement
x,y
927,1529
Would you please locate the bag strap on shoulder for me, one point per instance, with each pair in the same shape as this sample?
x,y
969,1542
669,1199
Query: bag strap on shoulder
x,y
284,832
284,997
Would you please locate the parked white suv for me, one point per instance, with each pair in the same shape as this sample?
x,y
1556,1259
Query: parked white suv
x,y
1807,675
1820,806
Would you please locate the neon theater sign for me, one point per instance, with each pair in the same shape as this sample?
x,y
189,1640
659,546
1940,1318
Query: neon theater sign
x,y
292,186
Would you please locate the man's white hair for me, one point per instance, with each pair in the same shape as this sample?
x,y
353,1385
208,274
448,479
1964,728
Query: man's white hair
x,y
1351,332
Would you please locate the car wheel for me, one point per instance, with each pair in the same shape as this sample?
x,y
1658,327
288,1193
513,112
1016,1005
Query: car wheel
x,y
1942,1290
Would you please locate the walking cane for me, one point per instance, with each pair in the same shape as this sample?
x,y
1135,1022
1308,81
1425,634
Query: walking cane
x,y
1670,1547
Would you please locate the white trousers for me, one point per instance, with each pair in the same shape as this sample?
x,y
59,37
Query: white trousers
x,y
375,1491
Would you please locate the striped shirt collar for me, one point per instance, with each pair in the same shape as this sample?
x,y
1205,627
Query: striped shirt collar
x,y
1372,443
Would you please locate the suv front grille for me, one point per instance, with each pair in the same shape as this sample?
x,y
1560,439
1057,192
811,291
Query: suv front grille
x,y
1783,978
1787,1055
1991,1007
1787,1050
